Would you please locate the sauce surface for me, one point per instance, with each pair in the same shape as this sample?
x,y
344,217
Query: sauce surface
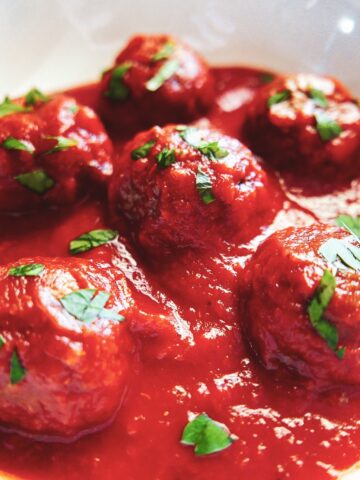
x,y
284,430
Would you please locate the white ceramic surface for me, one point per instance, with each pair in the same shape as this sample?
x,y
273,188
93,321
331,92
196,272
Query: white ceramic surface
x,y
56,43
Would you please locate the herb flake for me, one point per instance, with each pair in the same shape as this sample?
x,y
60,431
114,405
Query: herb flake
x,y
2,341
17,370
337,250
212,150
35,96
117,90
319,97
88,241
27,270
7,107
327,128
279,97
204,187
62,143
37,181
12,143
166,158
164,53
142,151
165,72
351,224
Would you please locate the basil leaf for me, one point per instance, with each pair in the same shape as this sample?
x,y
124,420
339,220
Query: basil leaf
x,y
166,71
165,158
266,77
279,97
34,96
37,181
316,311
213,150
2,341
327,128
192,136
142,151
88,304
334,250
7,107
117,89
351,224
207,435
28,270
319,97
204,187
91,239
62,143
12,143
164,52
17,370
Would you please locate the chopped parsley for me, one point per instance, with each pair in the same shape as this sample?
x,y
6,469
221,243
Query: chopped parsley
x,y
7,107
327,128
91,239
192,136
166,71
337,250
165,158
164,53
279,97
12,143
316,311
319,97
204,187
2,341
27,270
207,435
62,143
88,304
142,151
37,181
17,370
117,90
34,96
351,224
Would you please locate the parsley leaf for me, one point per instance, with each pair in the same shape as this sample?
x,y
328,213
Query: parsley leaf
x,y
2,341
166,71
62,143
7,107
317,308
37,181
88,304
117,89
279,97
164,52
212,150
17,370
207,435
319,97
351,224
204,187
336,249
28,270
34,96
11,143
166,157
142,151
91,239
327,128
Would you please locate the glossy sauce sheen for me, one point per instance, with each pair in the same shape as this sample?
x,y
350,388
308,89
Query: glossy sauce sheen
x,y
284,430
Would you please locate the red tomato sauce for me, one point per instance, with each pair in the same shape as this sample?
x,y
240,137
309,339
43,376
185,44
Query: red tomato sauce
x,y
284,431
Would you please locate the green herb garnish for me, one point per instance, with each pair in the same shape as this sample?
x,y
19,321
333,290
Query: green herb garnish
x,y
117,89
12,143
164,53
316,311
351,224
166,71
17,370
335,250
204,187
142,151
266,77
34,96
37,181
90,240
212,150
207,435
319,97
2,341
7,107
165,158
28,270
279,97
88,304
327,128
62,143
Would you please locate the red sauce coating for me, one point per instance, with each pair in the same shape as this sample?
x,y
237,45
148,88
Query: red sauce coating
x,y
285,431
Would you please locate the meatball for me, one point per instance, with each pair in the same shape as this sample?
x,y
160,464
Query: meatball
x,y
49,150
284,280
65,351
188,187
307,124
155,80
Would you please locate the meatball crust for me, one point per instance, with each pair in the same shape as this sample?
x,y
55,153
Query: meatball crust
x,y
59,375
188,187
161,80
48,153
306,123
282,279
